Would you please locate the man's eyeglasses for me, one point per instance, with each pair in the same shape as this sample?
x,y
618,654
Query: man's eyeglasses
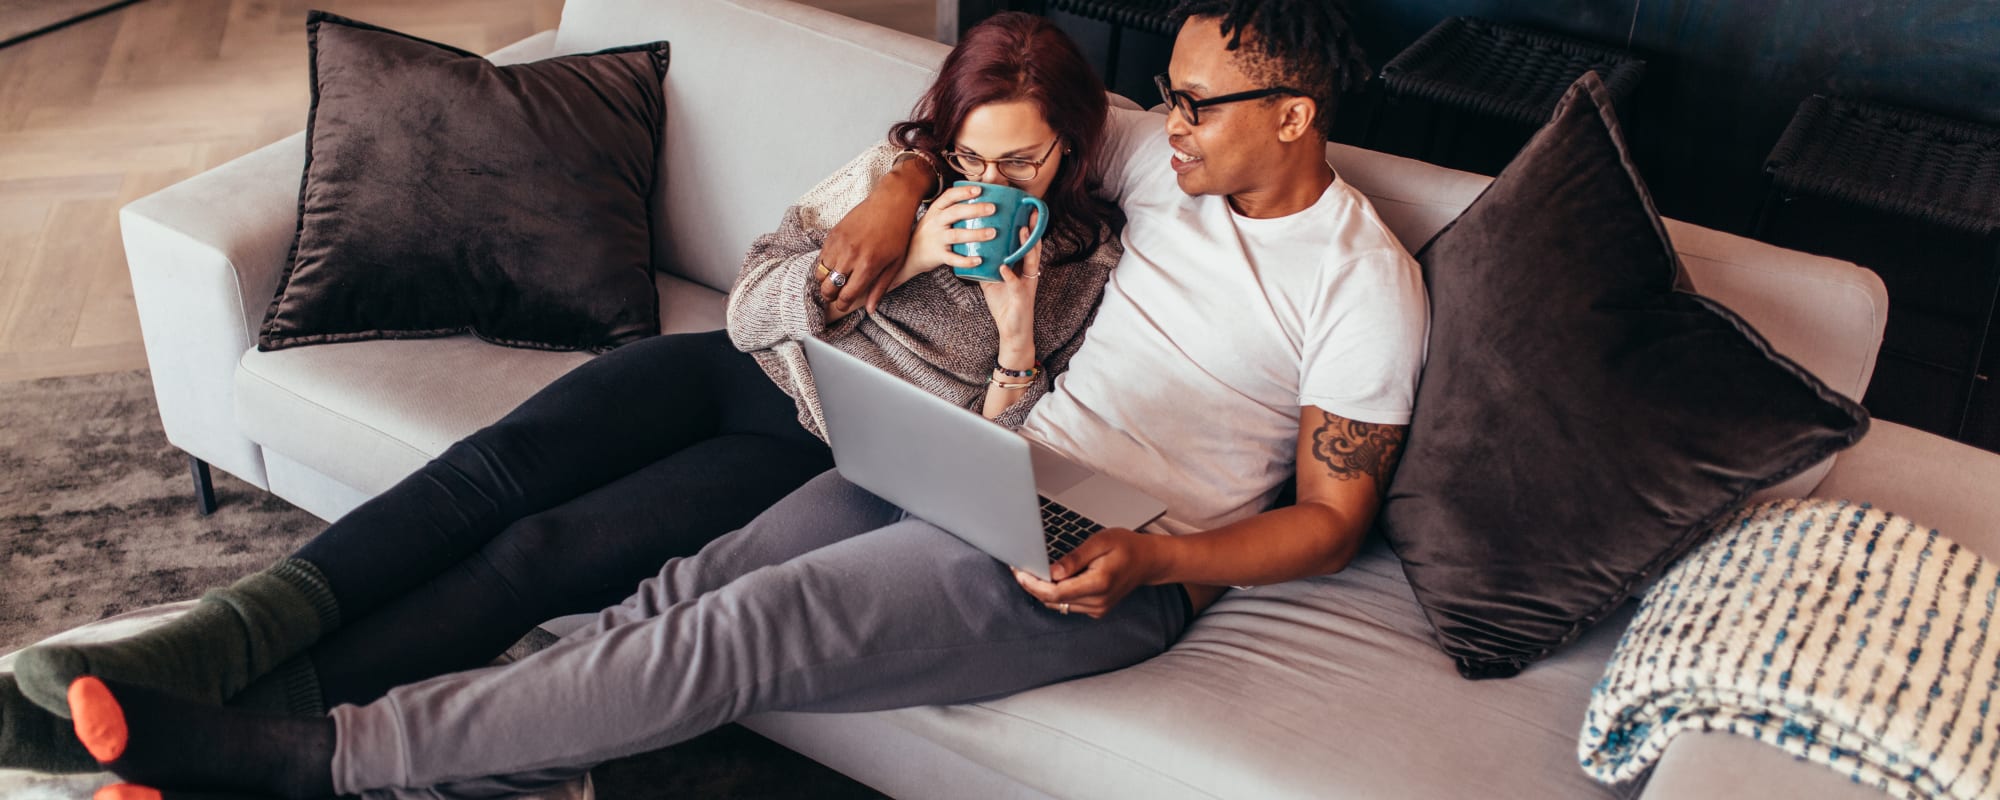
x,y
1014,169
1190,108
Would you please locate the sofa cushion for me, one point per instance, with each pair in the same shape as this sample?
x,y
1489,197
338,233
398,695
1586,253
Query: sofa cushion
x,y
1582,418
1702,765
444,194
368,413
1826,314
1328,687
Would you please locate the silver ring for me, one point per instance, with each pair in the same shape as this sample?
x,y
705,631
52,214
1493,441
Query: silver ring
x,y
1031,275
839,278
1064,608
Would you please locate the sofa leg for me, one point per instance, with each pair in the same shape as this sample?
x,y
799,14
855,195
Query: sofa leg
x,y
204,488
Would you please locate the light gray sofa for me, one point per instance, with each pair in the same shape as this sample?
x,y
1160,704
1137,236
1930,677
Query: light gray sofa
x,y
1317,688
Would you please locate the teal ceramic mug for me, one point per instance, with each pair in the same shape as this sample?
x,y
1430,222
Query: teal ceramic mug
x,y
1011,208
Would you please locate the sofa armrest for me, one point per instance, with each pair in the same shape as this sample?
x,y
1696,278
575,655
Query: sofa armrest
x,y
1713,765
1928,478
206,255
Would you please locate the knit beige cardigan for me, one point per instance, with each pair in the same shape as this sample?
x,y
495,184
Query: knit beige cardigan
x,y
934,330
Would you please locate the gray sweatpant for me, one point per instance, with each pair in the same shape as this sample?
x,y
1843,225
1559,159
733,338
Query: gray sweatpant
x,y
832,601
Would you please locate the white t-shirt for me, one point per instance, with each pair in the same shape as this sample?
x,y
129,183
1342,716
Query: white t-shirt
x,y
1216,328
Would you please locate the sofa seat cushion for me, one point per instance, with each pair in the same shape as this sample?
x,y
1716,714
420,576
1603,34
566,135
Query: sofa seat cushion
x,y
1314,688
368,413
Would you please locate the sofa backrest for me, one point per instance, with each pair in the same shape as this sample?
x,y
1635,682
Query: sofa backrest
x,y
765,97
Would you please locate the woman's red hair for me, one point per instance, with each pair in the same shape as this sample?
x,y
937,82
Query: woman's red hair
x,y
1016,56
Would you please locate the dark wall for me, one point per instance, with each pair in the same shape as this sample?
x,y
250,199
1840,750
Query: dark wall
x,y
1724,76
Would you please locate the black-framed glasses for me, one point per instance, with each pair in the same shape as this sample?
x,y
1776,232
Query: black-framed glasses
x,y
1014,169
1190,108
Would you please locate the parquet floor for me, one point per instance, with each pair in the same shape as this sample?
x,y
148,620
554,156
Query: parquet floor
x,y
105,111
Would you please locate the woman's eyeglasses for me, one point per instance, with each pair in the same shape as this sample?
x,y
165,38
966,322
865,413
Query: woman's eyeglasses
x,y
1190,108
1013,169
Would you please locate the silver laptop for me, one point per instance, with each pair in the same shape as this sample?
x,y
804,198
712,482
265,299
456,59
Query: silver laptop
x,y
1003,493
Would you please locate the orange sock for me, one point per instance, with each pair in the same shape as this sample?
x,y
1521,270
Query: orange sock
x,y
100,723
126,791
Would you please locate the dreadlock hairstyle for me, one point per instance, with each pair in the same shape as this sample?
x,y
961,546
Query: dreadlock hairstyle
x,y
1307,45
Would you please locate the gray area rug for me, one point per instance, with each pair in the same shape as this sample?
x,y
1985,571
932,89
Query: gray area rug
x,y
97,510
97,520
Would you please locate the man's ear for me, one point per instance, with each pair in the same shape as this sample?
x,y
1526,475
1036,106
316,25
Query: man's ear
x,y
1295,120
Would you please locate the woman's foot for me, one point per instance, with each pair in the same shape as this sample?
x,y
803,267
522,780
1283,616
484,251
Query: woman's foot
x,y
232,637
157,740
31,738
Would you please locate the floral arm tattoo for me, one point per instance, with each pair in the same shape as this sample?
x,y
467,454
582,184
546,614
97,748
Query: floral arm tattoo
x,y
1351,449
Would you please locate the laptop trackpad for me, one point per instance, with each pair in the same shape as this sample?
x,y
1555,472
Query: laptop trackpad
x,y
1054,474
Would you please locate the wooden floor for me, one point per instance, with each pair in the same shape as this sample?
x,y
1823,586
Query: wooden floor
x,y
97,114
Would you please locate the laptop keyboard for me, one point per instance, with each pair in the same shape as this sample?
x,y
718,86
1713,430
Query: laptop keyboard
x,y
1064,529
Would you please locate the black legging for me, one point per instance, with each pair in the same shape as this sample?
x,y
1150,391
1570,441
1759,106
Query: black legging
x,y
638,456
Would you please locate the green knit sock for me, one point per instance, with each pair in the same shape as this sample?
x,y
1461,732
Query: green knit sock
x,y
32,738
232,637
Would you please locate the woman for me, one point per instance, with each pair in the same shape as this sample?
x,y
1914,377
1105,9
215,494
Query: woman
x,y
653,450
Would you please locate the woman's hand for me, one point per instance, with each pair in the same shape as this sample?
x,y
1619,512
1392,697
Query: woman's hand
x,y
931,241
1098,574
1012,302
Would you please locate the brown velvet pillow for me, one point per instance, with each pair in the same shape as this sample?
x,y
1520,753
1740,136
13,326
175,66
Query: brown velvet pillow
x,y
443,194
1583,417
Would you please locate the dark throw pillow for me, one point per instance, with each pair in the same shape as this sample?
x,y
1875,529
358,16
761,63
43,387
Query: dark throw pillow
x,y
1584,417
443,194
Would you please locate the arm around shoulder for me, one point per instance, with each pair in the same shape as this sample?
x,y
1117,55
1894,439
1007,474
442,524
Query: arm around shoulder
x,y
775,296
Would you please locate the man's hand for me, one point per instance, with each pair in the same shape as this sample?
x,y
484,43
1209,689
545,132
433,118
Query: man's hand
x,y
868,245
1098,574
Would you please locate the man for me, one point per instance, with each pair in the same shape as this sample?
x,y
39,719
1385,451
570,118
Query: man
x,y
1255,283
1263,318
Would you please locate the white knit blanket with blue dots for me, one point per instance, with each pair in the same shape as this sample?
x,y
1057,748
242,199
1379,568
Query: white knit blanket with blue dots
x,y
1847,635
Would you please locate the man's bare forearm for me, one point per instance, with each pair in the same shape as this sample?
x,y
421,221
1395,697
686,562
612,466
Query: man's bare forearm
x,y
1279,545
1344,467
909,182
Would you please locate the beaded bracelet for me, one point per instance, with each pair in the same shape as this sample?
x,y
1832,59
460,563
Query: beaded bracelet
x,y
1018,373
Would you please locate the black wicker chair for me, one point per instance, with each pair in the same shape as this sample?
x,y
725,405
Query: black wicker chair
x,y
1907,164
1147,16
1502,71
1151,16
